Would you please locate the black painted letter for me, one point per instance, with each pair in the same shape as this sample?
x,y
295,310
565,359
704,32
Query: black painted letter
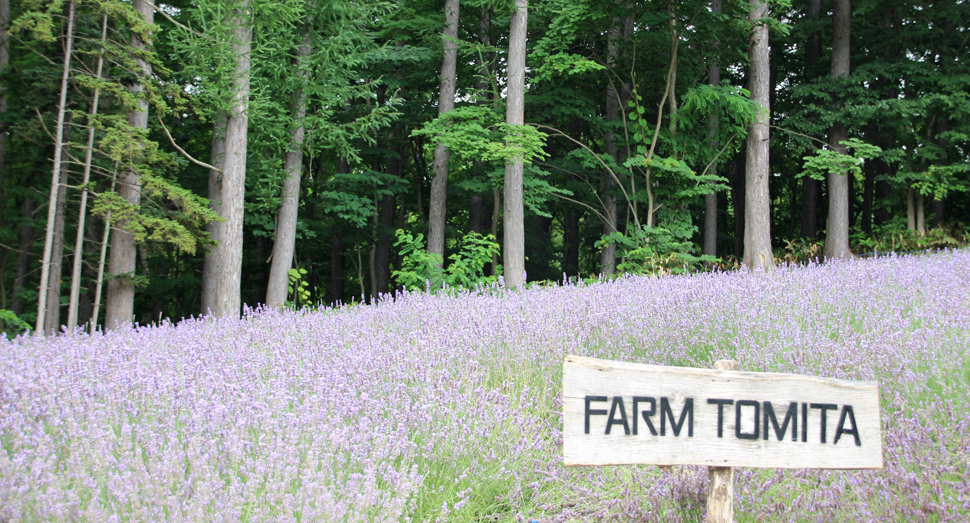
x,y
667,413
720,413
824,407
646,413
618,400
597,412
737,419
847,409
790,416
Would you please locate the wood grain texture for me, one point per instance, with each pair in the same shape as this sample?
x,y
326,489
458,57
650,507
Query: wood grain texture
x,y
698,442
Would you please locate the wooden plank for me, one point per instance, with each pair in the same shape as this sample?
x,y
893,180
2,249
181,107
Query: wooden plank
x,y
670,416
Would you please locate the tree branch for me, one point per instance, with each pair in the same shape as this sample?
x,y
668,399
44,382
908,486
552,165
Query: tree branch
x,y
185,154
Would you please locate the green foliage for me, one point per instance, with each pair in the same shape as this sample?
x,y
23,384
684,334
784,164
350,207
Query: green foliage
x,y
422,270
419,268
467,267
475,132
830,161
894,236
180,222
299,288
352,196
666,249
11,325
569,64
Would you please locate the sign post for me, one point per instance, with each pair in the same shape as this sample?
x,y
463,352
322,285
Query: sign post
x,y
617,413
720,480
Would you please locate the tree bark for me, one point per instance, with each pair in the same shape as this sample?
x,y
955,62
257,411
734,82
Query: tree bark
x,y
230,248
608,252
514,220
72,308
710,199
920,214
810,188
868,192
757,217
385,237
53,203
120,303
446,102
4,62
52,321
285,241
737,200
837,222
570,236
382,254
26,236
496,214
911,208
258,291
335,291
211,261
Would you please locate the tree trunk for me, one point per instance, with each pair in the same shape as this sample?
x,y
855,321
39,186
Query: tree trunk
x,y
105,237
476,214
514,222
52,321
258,290
810,188
4,62
53,204
496,213
285,242
710,199
608,252
120,303
85,308
385,237
72,309
335,291
211,262
26,235
230,248
920,214
868,192
446,102
570,247
737,200
911,208
757,217
937,206
837,223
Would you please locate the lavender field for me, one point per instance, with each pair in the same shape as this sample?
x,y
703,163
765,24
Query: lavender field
x,y
447,408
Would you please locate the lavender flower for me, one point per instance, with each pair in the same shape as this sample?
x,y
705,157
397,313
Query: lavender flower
x,y
448,408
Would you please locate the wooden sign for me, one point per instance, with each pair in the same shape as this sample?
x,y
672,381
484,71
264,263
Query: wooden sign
x,y
624,413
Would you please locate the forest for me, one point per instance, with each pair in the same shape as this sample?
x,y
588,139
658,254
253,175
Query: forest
x,y
161,161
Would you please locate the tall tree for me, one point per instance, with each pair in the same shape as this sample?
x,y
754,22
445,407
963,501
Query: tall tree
x,y
211,260
52,319
120,301
446,102
837,222
710,199
72,309
757,217
26,237
810,189
514,219
284,244
230,248
53,202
